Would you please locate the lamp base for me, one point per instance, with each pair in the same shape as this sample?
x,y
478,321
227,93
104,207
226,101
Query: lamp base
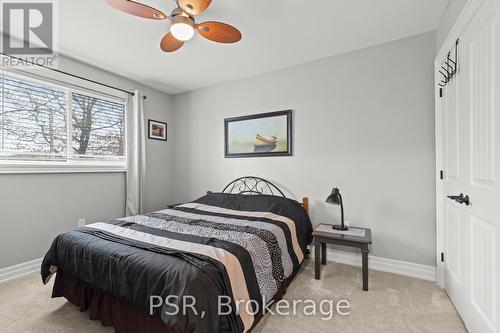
x,y
340,227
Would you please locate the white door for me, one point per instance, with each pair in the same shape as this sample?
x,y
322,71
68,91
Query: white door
x,y
471,146
454,183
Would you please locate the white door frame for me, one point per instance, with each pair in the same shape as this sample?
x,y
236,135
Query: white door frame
x,y
460,25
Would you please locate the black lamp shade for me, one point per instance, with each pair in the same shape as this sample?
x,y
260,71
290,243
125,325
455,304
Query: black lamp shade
x,y
334,197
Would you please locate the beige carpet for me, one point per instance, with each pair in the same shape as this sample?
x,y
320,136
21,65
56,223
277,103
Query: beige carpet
x,y
393,304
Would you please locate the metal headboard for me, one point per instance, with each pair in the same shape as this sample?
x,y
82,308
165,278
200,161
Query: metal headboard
x,y
252,185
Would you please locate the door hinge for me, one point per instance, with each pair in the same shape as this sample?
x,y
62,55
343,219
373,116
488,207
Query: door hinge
x,y
441,174
440,92
442,256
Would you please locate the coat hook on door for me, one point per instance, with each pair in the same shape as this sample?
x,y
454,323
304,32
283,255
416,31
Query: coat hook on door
x,y
447,76
449,67
454,67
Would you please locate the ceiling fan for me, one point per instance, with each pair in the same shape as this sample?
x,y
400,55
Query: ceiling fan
x,y
183,25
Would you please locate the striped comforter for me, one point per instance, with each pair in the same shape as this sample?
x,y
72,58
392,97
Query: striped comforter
x,y
243,247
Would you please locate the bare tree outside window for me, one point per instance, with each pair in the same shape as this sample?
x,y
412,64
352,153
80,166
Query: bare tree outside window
x,y
98,127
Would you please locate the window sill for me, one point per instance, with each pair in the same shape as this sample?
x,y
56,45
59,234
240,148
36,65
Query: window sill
x,y
17,168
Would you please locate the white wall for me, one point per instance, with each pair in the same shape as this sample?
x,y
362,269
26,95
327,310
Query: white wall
x,y
451,15
363,121
35,208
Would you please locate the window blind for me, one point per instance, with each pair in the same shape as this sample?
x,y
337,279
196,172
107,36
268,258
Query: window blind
x,y
34,123
33,120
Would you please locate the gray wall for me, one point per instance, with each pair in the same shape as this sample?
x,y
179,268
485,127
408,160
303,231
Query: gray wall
x,y
35,208
363,121
451,15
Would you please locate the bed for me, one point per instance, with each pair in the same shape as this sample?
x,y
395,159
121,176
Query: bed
x,y
241,247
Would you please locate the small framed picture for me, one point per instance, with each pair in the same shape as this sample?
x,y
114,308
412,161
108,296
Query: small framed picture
x,y
157,130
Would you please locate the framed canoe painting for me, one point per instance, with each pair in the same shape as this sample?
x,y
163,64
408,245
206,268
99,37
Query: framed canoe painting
x,y
259,135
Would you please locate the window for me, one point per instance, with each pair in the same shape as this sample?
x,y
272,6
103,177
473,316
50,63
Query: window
x,y
58,126
33,122
98,128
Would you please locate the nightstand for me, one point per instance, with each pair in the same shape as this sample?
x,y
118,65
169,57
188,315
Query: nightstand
x,y
354,237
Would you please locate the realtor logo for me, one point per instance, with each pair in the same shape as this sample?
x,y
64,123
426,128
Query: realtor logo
x,y
29,31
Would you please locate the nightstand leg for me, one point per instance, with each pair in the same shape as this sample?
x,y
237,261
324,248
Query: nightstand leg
x,y
317,266
364,254
323,253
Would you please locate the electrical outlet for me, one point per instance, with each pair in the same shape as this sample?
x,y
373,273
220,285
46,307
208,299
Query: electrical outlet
x,y
81,222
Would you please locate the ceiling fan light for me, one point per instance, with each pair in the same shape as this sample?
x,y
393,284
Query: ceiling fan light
x,y
182,27
182,31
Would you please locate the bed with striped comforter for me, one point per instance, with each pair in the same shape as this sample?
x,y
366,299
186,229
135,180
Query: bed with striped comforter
x,y
238,246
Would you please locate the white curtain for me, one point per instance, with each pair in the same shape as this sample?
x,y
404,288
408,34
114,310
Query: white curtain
x,y
136,156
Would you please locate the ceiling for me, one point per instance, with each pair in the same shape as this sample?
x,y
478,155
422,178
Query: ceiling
x,y
276,34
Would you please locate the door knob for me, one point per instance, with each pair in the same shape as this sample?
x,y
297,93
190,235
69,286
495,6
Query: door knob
x,y
461,199
465,200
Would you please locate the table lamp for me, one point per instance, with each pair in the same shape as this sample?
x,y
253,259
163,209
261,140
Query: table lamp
x,y
336,199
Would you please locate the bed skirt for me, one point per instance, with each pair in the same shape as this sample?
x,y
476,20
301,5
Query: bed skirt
x,y
121,315
110,310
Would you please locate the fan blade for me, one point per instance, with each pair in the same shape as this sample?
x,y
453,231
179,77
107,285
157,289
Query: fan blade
x,y
170,44
194,7
137,9
219,32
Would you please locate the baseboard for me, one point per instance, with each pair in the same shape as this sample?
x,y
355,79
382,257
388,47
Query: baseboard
x,y
17,271
376,263
424,272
